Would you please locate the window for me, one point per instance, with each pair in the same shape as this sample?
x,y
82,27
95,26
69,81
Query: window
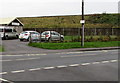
x,y
56,33
45,33
8,30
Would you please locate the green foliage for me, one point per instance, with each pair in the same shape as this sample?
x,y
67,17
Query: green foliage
x,y
109,19
70,45
1,49
91,38
92,21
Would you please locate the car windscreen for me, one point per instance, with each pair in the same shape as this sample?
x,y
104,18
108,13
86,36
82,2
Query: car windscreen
x,y
8,30
1,30
45,33
23,32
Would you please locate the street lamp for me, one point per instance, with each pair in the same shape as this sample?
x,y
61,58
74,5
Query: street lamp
x,y
82,22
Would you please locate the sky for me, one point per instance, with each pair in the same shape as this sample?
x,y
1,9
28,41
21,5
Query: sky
x,y
33,8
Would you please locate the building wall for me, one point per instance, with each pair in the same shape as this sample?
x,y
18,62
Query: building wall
x,y
19,29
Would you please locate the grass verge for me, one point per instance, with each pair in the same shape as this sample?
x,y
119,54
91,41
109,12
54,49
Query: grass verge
x,y
70,45
1,49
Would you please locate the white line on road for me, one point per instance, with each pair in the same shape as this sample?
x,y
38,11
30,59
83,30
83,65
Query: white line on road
x,y
35,54
48,67
62,66
5,60
76,55
26,55
2,73
95,62
19,71
105,62
27,59
104,51
20,59
70,56
35,69
11,55
69,53
113,60
85,63
74,65
4,80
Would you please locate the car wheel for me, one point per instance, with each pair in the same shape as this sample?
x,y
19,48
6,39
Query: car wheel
x,y
21,39
49,39
28,39
17,36
62,39
6,37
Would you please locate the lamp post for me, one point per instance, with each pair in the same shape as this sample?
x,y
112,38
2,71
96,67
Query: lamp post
x,y
82,21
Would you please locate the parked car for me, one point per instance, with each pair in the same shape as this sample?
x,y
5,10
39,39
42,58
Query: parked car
x,y
25,35
8,32
51,36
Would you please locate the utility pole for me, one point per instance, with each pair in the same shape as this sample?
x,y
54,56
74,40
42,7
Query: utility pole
x,y
82,21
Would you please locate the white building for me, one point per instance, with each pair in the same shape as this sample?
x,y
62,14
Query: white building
x,y
12,22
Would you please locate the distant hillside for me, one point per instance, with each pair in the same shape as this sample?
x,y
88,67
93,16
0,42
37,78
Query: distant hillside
x,y
92,21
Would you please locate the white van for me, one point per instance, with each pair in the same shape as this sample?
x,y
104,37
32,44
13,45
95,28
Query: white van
x,y
8,32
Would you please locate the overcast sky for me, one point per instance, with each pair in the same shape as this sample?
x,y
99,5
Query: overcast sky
x,y
28,8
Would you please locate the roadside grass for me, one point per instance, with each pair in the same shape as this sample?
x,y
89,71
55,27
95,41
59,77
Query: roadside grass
x,y
91,38
1,49
70,45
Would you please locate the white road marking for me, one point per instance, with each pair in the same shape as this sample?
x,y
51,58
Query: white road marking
x,y
74,65
27,59
113,60
11,55
95,62
85,63
20,59
35,54
35,69
4,80
104,51
69,53
3,73
5,60
48,67
76,55
70,56
25,55
91,51
19,71
62,66
105,62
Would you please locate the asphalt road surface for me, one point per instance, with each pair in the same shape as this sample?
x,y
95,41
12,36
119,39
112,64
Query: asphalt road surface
x,y
17,47
57,66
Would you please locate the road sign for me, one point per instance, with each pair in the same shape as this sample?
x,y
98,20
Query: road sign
x,y
82,21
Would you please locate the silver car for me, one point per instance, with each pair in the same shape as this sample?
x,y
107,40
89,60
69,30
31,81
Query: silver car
x,y
51,36
25,35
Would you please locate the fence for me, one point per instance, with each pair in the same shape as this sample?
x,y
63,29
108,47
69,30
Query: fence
x,y
77,31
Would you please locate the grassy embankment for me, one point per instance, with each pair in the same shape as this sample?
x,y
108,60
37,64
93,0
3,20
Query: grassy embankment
x,y
73,21
70,45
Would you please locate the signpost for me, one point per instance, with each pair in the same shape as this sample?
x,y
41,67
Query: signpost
x,y
82,22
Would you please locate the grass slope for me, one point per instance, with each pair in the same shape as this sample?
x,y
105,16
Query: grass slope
x,y
73,21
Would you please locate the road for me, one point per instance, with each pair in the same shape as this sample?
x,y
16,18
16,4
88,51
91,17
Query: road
x,y
101,65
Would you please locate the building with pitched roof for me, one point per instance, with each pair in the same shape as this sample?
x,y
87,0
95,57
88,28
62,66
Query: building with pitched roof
x,y
12,22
